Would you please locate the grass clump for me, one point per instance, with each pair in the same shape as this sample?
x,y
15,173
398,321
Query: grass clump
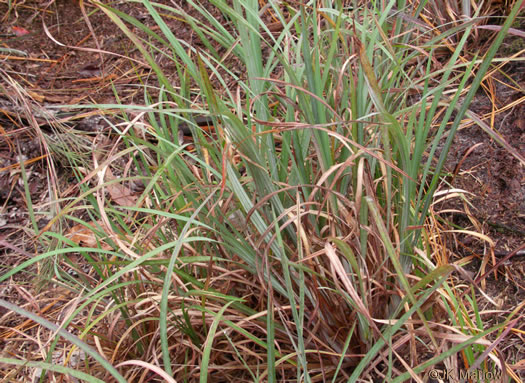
x,y
292,241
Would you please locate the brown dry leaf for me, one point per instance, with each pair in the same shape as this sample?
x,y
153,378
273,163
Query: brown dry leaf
x,y
82,235
119,193
85,236
19,31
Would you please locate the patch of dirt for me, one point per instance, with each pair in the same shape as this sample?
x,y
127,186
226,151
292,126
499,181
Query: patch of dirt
x,y
495,180
494,177
50,75
39,74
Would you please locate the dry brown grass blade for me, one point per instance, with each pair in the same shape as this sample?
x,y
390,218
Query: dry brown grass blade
x,y
48,33
49,309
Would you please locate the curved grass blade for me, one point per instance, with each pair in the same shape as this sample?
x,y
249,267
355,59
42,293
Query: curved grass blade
x,y
52,367
209,342
66,335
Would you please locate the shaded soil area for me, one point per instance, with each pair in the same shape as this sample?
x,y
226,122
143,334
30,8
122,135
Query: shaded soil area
x,y
52,59
494,205
495,182
479,165
38,75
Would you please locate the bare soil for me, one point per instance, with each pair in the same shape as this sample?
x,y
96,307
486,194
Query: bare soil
x,y
53,75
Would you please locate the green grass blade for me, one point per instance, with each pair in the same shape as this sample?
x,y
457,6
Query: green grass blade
x,y
66,335
52,367
209,343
